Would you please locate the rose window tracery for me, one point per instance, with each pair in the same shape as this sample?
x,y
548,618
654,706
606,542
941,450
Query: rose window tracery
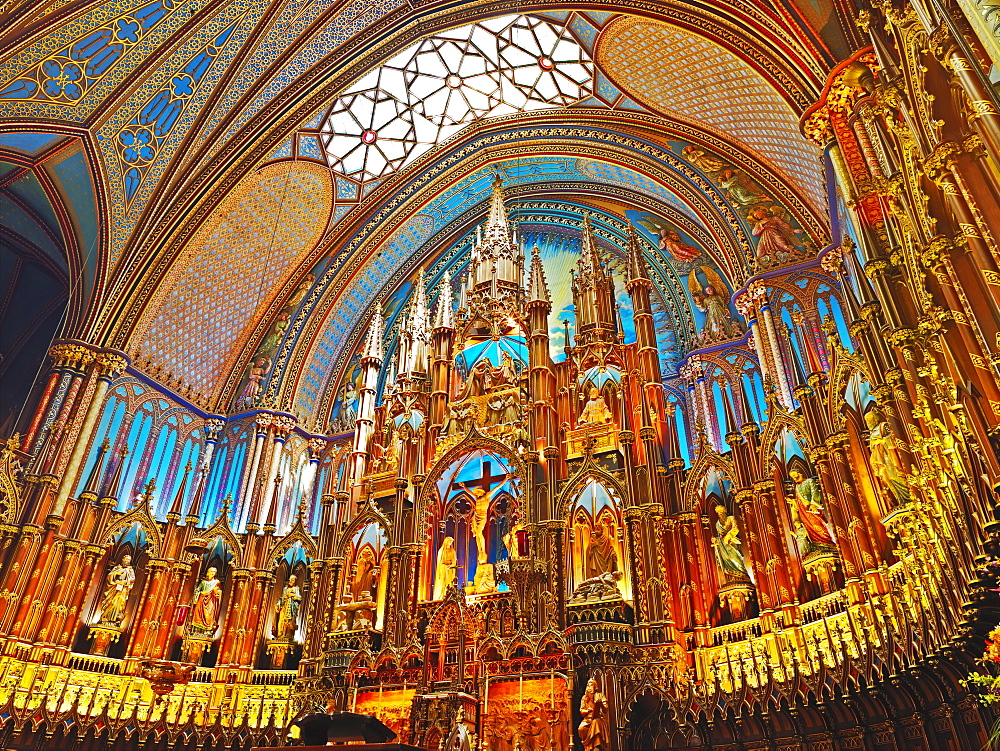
x,y
433,89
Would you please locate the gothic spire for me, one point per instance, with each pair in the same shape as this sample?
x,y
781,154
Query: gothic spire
x,y
443,313
635,260
373,344
538,288
498,214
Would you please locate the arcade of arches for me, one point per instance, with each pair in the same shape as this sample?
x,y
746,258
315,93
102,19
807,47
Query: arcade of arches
x,y
602,376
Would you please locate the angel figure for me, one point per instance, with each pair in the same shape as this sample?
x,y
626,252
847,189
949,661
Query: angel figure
x,y
740,188
300,293
712,299
255,376
776,235
701,159
670,239
277,332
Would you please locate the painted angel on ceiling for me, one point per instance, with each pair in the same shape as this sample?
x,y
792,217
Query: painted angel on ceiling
x,y
670,239
711,297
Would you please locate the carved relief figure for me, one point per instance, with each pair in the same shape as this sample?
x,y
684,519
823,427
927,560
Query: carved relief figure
x,y
593,729
121,579
255,375
205,605
288,610
739,188
702,159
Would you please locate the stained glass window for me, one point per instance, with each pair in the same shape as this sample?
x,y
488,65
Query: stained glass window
x,y
441,84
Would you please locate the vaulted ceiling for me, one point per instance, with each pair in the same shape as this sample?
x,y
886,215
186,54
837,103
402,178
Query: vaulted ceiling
x,y
217,201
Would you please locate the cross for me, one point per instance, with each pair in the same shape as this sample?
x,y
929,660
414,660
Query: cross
x,y
488,478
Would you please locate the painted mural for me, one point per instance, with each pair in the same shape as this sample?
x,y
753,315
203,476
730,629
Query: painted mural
x,y
708,293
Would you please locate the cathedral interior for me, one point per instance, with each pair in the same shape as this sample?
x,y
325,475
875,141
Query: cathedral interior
x,y
540,375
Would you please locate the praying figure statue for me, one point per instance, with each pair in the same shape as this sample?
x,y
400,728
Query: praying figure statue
x,y
884,460
811,528
593,729
121,579
206,604
444,571
728,555
288,610
595,411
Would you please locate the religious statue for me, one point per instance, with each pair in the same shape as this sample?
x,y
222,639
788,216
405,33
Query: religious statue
x,y
121,579
255,376
277,332
593,729
728,555
601,587
288,610
808,515
460,417
205,605
357,615
301,291
480,513
601,555
478,382
712,299
884,459
508,373
444,571
494,410
595,411
776,235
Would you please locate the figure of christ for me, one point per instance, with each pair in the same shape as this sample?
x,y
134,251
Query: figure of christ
x,y
481,499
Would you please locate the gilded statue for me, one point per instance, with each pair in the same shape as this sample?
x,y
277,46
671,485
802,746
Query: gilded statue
x,y
447,564
593,729
205,605
288,610
595,411
601,556
728,555
884,459
121,579
480,513
811,528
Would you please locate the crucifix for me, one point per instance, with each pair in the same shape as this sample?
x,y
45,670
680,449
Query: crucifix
x,y
482,492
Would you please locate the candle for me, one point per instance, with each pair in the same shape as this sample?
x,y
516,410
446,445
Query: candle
x,y
520,693
552,689
486,696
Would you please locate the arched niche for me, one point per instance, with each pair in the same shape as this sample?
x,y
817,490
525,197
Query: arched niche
x,y
476,502
365,569
598,535
114,602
